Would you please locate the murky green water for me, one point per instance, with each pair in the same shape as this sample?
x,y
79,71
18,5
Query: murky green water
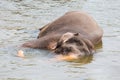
x,y
19,21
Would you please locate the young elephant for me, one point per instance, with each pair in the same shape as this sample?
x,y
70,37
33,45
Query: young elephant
x,y
73,33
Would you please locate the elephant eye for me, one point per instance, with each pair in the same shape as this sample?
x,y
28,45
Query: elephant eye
x,y
59,44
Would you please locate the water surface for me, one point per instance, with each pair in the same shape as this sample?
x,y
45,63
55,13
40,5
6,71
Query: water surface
x,y
20,21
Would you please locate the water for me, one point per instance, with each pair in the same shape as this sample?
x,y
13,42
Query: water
x,y
20,21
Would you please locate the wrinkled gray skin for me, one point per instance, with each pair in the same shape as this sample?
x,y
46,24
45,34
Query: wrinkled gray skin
x,y
73,33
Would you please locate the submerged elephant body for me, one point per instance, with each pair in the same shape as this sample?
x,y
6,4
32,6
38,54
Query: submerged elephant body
x,y
73,33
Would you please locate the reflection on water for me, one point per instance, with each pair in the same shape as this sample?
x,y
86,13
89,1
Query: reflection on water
x,y
83,60
20,21
99,46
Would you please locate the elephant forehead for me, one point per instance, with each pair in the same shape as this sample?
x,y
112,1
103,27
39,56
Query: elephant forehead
x,y
66,36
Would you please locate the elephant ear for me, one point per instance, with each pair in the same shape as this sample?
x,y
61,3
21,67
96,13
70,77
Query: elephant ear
x,y
44,27
89,45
